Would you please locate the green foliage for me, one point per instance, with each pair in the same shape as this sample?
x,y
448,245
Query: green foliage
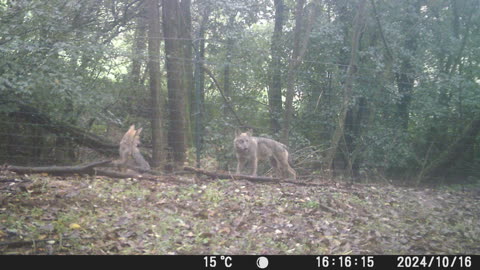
x,y
72,60
57,56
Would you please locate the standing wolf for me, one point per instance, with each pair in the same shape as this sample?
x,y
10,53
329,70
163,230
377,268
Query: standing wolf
x,y
249,149
130,155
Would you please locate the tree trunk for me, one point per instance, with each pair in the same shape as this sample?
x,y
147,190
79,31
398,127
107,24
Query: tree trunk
x,y
406,77
228,59
158,156
275,87
199,98
353,124
299,49
358,24
139,46
187,49
176,91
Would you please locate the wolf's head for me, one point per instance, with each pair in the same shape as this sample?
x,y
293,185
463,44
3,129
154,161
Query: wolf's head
x,y
243,141
131,137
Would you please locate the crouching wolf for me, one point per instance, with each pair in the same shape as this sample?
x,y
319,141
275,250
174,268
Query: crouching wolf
x,y
130,156
249,149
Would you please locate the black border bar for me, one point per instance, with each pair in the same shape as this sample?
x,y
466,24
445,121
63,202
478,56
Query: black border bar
x,y
253,262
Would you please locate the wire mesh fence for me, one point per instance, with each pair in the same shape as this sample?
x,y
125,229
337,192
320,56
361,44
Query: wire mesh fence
x,y
400,111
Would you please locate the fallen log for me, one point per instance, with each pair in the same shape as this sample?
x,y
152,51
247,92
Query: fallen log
x,y
88,168
151,178
255,179
231,176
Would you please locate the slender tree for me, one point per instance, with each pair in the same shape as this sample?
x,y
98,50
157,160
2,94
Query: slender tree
x,y
275,83
139,43
358,25
199,75
228,60
176,91
405,77
185,35
301,35
155,83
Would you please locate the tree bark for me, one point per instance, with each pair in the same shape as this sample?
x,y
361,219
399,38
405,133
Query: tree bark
x,y
358,22
157,104
275,87
176,91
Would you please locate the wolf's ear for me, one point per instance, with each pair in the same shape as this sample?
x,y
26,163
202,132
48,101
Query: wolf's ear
x,y
237,132
130,132
137,134
249,132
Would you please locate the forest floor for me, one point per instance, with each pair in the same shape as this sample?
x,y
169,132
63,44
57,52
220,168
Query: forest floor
x,y
42,214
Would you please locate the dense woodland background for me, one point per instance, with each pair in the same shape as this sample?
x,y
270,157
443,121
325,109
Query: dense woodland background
x,y
363,89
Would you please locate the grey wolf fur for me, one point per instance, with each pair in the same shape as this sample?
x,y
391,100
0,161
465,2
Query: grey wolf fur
x,y
130,155
250,149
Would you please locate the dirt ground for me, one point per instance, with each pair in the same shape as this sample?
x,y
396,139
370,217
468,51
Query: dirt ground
x,y
43,214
